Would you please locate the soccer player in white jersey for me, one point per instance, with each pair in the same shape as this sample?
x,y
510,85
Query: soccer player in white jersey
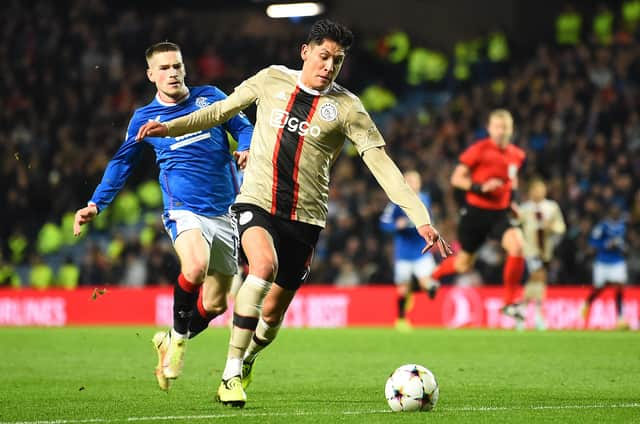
x,y
198,181
543,227
303,118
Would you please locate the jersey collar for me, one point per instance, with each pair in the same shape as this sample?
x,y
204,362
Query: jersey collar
x,y
310,90
163,103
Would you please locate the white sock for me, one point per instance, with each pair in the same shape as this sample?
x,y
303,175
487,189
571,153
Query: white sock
x,y
232,369
264,332
177,335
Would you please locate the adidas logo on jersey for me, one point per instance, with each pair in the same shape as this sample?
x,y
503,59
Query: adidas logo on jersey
x,y
281,119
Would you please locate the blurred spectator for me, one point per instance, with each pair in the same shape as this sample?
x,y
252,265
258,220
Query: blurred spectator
x,y
72,75
68,275
135,267
95,268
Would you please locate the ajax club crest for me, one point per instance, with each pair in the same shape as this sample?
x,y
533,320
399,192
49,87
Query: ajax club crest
x,y
328,112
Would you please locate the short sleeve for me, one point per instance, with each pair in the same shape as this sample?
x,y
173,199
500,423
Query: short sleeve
x,y
470,156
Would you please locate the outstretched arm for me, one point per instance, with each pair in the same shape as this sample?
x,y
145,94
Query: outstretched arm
x,y
392,182
215,114
115,175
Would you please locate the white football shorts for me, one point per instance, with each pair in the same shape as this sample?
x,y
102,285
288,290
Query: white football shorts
x,y
609,273
220,232
419,268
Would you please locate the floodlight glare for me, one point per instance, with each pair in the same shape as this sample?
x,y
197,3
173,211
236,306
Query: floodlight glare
x,y
293,10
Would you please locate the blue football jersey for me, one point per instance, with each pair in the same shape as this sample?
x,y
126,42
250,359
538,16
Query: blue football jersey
x,y
408,244
608,238
197,171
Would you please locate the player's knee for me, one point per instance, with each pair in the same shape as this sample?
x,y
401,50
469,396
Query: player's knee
x,y
513,243
215,307
195,270
265,267
463,264
272,317
515,249
539,275
402,289
273,312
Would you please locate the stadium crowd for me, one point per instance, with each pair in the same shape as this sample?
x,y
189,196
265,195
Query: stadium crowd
x,y
72,76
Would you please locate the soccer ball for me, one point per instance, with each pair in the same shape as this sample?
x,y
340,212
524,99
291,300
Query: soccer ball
x,y
412,388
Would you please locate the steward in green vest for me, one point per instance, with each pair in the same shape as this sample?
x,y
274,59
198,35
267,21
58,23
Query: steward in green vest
x,y
631,15
603,26
426,66
397,46
68,275
568,27
41,275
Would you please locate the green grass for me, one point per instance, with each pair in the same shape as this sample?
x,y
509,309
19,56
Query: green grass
x,y
100,374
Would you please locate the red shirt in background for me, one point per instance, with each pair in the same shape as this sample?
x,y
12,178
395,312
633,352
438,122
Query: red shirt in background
x,y
486,160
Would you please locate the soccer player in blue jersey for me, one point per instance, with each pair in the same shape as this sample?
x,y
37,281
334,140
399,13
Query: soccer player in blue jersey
x,y
198,181
610,265
409,262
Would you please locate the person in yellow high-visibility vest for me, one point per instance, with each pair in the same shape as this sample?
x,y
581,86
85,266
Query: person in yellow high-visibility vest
x,y
50,239
497,47
631,15
17,247
377,98
498,53
426,66
397,46
68,275
568,27
8,275
41,274
603,26
461,68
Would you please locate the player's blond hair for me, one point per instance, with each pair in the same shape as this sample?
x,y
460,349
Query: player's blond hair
x,y
537,181
501,113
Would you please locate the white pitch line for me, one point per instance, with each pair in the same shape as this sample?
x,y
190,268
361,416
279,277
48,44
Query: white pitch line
x,y
298,414
534,408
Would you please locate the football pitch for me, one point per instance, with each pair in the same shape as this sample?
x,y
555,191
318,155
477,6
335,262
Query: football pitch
x,y
105,375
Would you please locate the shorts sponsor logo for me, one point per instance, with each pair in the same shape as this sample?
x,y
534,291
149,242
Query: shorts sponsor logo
x,y
328,112
245,217
282,119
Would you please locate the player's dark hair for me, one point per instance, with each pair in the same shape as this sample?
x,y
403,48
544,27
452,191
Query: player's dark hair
x,y
325,29
161,47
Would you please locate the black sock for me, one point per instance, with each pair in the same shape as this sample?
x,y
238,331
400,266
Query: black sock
x,y
594,293
402,303
619,302
185,294
200,319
